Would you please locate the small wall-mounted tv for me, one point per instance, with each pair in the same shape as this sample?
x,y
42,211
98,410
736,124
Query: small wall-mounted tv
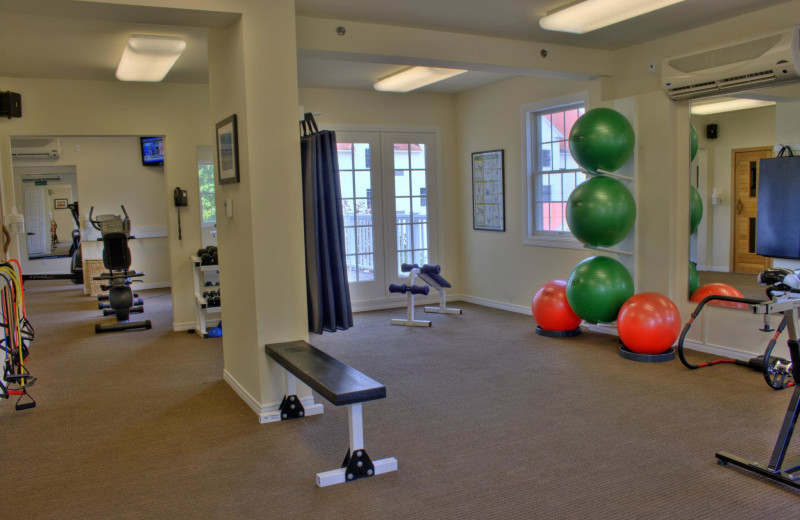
x,y
152,151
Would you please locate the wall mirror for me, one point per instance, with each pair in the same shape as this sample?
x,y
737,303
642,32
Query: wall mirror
x,y
724,172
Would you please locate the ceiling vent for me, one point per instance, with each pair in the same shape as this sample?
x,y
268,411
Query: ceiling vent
x,y
765,61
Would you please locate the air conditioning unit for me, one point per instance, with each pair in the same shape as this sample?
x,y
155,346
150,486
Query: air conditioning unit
x,y
35,148
765,61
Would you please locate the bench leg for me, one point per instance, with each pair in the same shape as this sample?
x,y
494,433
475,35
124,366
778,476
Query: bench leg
x,y
357,463
291,407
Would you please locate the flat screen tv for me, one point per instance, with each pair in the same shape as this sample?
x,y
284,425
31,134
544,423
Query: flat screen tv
x,y
152,151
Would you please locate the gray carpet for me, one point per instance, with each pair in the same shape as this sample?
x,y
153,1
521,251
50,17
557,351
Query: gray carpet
x,y
487,420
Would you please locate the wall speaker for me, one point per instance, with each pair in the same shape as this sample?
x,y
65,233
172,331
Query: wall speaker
x,y
10,104
711,131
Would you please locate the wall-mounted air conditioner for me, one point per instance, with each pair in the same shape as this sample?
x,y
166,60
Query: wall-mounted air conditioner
x,y
35,148
765,61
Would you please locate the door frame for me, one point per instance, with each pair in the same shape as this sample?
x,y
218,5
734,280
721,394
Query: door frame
x,y
734,151
41,232
431,179
435,229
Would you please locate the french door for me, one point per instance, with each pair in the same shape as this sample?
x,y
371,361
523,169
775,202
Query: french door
x,y
388,201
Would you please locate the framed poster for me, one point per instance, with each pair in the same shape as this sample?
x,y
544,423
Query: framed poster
x,y
227,150
60,203
488,207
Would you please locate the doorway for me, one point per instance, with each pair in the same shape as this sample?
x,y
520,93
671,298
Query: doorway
x,y
389,206
745,163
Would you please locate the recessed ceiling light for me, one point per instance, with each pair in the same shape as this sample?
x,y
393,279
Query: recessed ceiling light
x,y
594,14
728,105
149,58
414,78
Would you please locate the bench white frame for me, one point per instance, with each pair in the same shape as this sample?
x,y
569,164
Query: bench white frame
x,y
356,430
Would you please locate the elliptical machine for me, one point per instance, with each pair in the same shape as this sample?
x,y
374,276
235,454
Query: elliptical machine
x,y
76,262
115,233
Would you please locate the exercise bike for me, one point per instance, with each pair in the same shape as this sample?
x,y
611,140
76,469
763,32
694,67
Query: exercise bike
x,y
115,233
783,284
778,468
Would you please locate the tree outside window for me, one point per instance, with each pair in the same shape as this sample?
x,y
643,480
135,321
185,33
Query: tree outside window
x,y
207,194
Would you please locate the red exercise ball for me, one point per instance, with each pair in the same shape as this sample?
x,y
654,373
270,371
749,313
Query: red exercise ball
x,y
551,309
718,289
648,323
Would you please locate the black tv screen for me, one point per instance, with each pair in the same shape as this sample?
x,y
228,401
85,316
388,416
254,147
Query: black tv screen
x,y
152,151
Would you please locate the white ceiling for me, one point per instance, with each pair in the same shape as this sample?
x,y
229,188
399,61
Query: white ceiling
x,y
91,36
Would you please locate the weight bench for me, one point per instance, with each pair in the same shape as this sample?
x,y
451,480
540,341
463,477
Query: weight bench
x,y
341,385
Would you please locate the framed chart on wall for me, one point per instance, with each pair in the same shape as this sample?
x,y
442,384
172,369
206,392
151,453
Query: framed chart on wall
x,y
227,150
488,191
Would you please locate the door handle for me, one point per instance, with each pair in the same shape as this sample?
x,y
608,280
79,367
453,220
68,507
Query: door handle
x,y
739,207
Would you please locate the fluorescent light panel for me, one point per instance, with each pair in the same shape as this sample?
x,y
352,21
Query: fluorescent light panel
x,y
728,105
594,14
414,78
149,58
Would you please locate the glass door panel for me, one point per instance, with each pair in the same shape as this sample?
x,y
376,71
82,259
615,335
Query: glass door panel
x,y
409,158
359,172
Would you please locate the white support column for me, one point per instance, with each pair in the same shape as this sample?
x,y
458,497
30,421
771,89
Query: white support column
x,y
356,427
291,384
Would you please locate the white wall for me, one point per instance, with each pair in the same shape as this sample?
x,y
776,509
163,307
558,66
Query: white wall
x,y
111,108
496,267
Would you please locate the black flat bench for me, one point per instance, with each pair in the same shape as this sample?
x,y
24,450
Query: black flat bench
x,y
341,385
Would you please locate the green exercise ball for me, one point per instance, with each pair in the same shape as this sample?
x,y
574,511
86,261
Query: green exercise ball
x,y
597,288
601,211
694,278
696,205
601,139
694,140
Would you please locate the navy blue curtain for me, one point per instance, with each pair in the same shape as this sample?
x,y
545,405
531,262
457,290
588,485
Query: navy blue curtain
x,y
329,305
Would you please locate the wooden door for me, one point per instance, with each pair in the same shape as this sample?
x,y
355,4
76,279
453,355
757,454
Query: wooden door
x,y
744,206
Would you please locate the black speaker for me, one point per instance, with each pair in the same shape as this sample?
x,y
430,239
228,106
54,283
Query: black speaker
x,y
711,131
10,104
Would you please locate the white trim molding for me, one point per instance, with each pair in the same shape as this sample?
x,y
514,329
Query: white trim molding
x,y
269,412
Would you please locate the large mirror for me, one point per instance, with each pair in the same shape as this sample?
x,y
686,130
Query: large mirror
x,y
724,171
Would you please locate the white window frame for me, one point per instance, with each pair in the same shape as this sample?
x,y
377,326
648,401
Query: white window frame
x,y
530,236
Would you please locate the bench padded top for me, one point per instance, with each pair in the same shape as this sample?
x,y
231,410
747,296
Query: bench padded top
x,y
338,383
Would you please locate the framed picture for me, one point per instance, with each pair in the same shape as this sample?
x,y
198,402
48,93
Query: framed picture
x,y
227,150
488,191
60,203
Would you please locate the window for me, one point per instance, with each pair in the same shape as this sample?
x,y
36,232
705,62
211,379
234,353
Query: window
x,y
551,173
207,198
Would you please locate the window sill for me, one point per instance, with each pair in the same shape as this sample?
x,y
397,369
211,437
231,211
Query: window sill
x,y
562,241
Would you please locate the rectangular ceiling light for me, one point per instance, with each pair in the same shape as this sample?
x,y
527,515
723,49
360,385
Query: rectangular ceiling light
x,y
414,78
149,58
728,105
594,14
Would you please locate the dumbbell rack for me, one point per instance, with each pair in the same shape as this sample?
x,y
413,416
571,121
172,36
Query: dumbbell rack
x,y
202,311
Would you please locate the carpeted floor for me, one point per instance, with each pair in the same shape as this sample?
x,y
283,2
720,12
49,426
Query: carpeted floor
x,y
486,419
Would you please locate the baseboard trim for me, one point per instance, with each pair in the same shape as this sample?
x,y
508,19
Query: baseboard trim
x,y
269,412
719,350
392,303
181,327
520,309
713,269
